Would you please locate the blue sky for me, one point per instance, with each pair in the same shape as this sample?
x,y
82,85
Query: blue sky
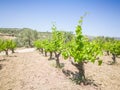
x,y
103,17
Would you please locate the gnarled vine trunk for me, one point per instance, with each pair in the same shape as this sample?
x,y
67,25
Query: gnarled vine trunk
x,y
41,50
6,52
114,58
81,71
45,53
12,50
108,53
57,60
50,56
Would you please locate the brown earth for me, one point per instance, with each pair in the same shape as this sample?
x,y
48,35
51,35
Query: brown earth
x,y
33,71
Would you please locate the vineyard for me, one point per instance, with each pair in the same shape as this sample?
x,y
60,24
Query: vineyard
x,y
61,61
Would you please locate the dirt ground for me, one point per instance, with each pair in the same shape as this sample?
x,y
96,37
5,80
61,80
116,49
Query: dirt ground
x,y
30,70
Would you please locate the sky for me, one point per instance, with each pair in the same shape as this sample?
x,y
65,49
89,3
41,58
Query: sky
x,y
102,19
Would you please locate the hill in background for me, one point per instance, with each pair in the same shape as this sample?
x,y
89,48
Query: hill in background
x,y
26,36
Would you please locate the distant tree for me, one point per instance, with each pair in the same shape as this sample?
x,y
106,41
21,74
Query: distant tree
x,y
27,37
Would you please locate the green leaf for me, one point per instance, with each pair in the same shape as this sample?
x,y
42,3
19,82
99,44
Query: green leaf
x,y
65,55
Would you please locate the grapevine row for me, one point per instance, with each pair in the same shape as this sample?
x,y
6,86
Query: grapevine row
x,y
6,45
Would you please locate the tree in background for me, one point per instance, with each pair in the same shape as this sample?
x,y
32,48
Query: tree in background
x,y
26,37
